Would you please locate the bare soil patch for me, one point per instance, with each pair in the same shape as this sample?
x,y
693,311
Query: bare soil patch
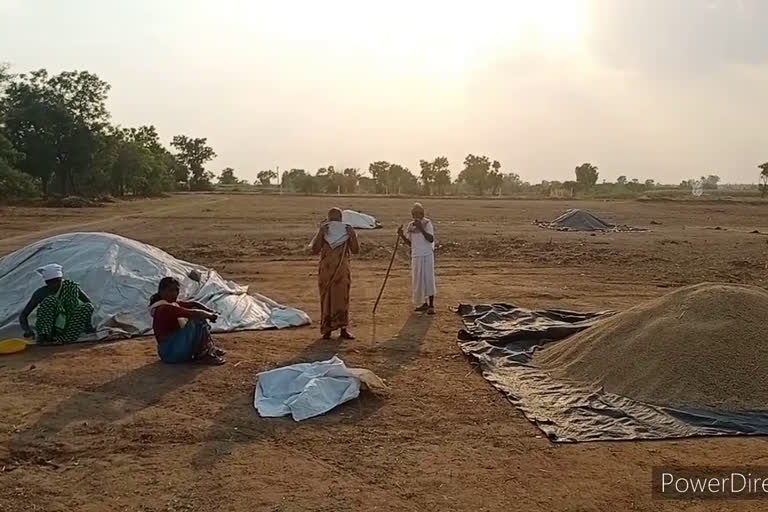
x,y
108,428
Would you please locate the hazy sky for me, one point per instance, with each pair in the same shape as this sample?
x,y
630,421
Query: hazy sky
x,y
663,89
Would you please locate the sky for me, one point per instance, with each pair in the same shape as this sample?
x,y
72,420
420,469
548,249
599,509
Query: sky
x,y
661,89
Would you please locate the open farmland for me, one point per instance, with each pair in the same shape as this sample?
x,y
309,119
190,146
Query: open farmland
x,y
107,427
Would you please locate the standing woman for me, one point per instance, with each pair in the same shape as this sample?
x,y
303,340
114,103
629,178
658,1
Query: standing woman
x,y
334,242
421,238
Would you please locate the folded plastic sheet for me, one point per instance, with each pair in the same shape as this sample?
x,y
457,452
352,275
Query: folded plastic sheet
x,y
503,338
336,234
306,390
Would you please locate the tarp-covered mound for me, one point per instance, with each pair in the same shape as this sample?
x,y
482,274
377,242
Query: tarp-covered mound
x,y
581,220
659,376
120,275
359,220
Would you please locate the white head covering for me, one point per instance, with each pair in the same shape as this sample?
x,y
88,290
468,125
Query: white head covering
x,y
52,271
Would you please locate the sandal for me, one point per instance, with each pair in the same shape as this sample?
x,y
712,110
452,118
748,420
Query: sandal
x,y
214,359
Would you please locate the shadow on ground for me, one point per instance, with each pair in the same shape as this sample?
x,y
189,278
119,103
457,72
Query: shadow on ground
x,y
36,353
107,403
239,422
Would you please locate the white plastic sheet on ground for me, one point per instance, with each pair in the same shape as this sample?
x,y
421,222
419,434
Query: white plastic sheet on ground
x,y
359,220
306,390
120,275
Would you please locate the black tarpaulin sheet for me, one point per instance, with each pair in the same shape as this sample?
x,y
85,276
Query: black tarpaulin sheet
x,y
502,338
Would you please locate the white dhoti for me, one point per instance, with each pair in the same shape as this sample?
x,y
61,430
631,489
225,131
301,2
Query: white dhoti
x,y
423,278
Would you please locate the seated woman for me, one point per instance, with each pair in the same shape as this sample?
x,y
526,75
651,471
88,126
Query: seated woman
x,y
181,328
63,310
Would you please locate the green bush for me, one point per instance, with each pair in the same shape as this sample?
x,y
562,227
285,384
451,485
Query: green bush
x,y
16,184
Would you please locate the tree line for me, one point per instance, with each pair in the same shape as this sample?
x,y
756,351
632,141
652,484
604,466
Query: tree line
x,y
479,175
56,138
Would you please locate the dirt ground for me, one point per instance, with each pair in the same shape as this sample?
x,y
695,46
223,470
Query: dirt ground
x,y
105,427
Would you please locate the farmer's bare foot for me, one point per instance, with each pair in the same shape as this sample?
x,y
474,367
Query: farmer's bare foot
x,y
345,335
422,308
431,310
326,335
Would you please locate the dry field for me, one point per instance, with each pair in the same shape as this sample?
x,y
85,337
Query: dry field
x,y
107,428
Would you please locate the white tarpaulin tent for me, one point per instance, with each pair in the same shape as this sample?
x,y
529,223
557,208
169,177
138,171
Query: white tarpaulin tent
x,y
359,220
120,275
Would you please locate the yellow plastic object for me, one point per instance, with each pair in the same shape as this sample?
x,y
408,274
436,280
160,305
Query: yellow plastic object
x,y
12,346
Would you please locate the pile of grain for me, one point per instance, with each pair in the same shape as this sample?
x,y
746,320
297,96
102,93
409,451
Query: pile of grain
x,y
700,346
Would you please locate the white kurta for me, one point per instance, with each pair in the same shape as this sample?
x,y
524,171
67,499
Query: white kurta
x,y
422,263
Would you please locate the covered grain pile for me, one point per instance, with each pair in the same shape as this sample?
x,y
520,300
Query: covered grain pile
x,y
699,346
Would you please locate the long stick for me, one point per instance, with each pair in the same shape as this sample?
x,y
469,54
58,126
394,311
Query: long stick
x,y
386,277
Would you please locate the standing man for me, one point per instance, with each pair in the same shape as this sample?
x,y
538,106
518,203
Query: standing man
x,y
420,237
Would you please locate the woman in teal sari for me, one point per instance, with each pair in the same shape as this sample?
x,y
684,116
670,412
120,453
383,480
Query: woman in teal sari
x,y
63,310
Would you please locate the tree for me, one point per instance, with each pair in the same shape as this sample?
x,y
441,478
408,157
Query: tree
x,y
710,182
328,180
511,183
586,175
131,170
34,122
621,180
475,172
442,174
495,178
366,185
228,177
401,180
649,183
142,165
380,172
56,122
84,97
13,183
763,178
194,154
265,177
428,176
59,128
84,94
350,180
299,181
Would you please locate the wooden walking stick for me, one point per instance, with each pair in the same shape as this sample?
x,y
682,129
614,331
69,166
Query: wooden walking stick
x,y
389,268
